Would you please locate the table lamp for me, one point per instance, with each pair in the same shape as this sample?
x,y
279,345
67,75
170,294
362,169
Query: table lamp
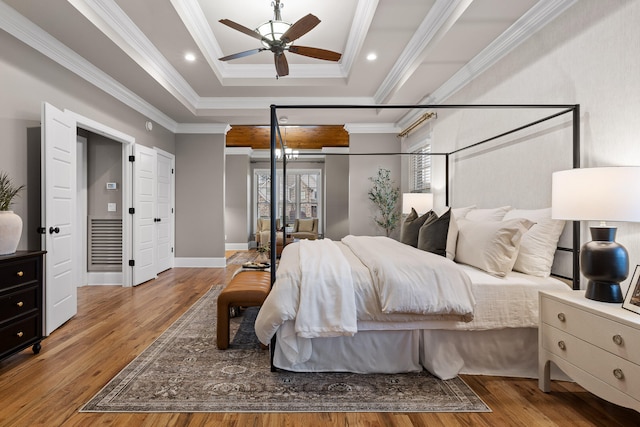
x,y
421,202
599,194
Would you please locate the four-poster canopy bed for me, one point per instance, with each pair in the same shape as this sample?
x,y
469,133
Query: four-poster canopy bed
x,y
382,296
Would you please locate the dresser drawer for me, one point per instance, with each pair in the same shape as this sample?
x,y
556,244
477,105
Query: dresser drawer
x,y
20,334
604,333
615,371
18,303
18,272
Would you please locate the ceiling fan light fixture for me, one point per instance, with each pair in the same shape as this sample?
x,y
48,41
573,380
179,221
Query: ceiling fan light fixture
x,y
273,30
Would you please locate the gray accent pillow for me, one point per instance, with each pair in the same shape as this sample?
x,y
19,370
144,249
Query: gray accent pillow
x,y
411,227
432,236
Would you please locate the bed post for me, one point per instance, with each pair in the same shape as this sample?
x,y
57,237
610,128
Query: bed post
x,y
576,224
274,193
446,180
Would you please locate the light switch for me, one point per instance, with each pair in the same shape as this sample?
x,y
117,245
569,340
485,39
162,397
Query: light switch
x,y
111,207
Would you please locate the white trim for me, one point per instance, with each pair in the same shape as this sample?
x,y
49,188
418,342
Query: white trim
x,y
109,18
32,35
127,142
441,17
201,262
203,128
372,128
244,151
104,278
236,246
530,23
335,150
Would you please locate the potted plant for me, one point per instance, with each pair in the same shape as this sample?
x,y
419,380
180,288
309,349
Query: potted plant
x,y
384,196
10,223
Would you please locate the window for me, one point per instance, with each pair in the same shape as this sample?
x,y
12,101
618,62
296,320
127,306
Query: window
x,y
420,169
302,194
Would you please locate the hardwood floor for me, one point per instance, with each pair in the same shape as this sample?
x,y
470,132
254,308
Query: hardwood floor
x,y
115,324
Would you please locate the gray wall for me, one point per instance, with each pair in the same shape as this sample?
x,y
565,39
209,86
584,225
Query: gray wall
x,y
361,168
237,200
28,78
336,180
200,196
104,165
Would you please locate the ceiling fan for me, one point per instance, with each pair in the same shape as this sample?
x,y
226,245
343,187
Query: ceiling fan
x,y
278,36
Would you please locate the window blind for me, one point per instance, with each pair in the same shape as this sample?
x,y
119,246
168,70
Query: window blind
x,y
420,169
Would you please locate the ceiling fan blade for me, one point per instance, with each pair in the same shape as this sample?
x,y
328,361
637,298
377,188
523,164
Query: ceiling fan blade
x,y
301,27
314,52
242,54
282,66
243,29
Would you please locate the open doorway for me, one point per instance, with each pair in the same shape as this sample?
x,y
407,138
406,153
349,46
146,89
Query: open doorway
x,y
100,210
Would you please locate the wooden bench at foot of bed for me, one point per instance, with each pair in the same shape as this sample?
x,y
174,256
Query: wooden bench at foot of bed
x,y
246,289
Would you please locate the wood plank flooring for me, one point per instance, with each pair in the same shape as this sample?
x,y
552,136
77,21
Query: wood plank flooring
x,y
115,324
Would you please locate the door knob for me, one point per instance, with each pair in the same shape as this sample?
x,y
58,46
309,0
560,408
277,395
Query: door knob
x,y
54,230
41,230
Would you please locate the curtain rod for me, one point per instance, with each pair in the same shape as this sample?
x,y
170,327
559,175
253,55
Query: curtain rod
x,y
417,123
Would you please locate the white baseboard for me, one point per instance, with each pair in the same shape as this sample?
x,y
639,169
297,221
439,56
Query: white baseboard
x,y
95,278
201,262
236,246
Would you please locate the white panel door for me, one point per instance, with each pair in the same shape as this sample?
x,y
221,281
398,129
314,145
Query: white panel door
x,y
58,214
164,219
144,196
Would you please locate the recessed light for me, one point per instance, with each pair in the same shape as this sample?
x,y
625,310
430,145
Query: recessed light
x,y
190,57
372,56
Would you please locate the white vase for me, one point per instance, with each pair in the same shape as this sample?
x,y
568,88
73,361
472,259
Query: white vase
x,y
10,232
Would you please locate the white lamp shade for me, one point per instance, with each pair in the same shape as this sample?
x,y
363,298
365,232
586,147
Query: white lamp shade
x,y
421,202
596,194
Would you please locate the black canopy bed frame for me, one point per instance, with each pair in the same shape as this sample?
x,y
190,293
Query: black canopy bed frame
x,y
277,141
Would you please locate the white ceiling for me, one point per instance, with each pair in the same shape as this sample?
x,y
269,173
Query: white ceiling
x,y
134,50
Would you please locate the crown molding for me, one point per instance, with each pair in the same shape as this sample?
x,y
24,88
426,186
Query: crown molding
x,y
438,21
27,32
109,18
365,11
203,128
371,128
244,151
530,23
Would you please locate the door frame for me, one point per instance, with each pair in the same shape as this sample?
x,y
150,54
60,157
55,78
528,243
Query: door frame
x,y
127,142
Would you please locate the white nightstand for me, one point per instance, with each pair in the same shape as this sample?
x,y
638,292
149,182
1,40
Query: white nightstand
x,y
597,344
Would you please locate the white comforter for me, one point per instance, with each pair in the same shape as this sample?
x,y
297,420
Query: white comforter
x,y
399,283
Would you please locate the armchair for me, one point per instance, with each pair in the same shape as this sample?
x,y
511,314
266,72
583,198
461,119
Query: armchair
x,y
263,234
306,228
263,231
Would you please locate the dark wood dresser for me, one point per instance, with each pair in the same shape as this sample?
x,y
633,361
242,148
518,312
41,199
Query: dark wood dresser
x,y
21,302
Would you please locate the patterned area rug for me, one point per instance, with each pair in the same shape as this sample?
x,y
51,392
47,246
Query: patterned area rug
x,y
183,371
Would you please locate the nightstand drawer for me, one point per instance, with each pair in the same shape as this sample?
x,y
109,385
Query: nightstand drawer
x,y
607,334
614,370
18,272
19,334
18,303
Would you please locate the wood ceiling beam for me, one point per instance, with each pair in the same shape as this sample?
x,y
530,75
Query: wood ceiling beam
x,y
295,137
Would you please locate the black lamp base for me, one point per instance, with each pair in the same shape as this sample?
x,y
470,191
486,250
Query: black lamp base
x,y
604,291
605,263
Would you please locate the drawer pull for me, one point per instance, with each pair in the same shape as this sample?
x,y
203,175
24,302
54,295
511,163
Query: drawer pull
x,y
20,273
20,334
618,339
561,317
562,345
19,303
618,373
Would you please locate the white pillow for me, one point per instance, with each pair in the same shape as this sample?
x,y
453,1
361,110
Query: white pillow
x,y
491,246
452,237
538,246
460,213
495,214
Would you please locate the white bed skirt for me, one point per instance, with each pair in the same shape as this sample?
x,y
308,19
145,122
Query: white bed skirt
x,y
510,352
365,352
